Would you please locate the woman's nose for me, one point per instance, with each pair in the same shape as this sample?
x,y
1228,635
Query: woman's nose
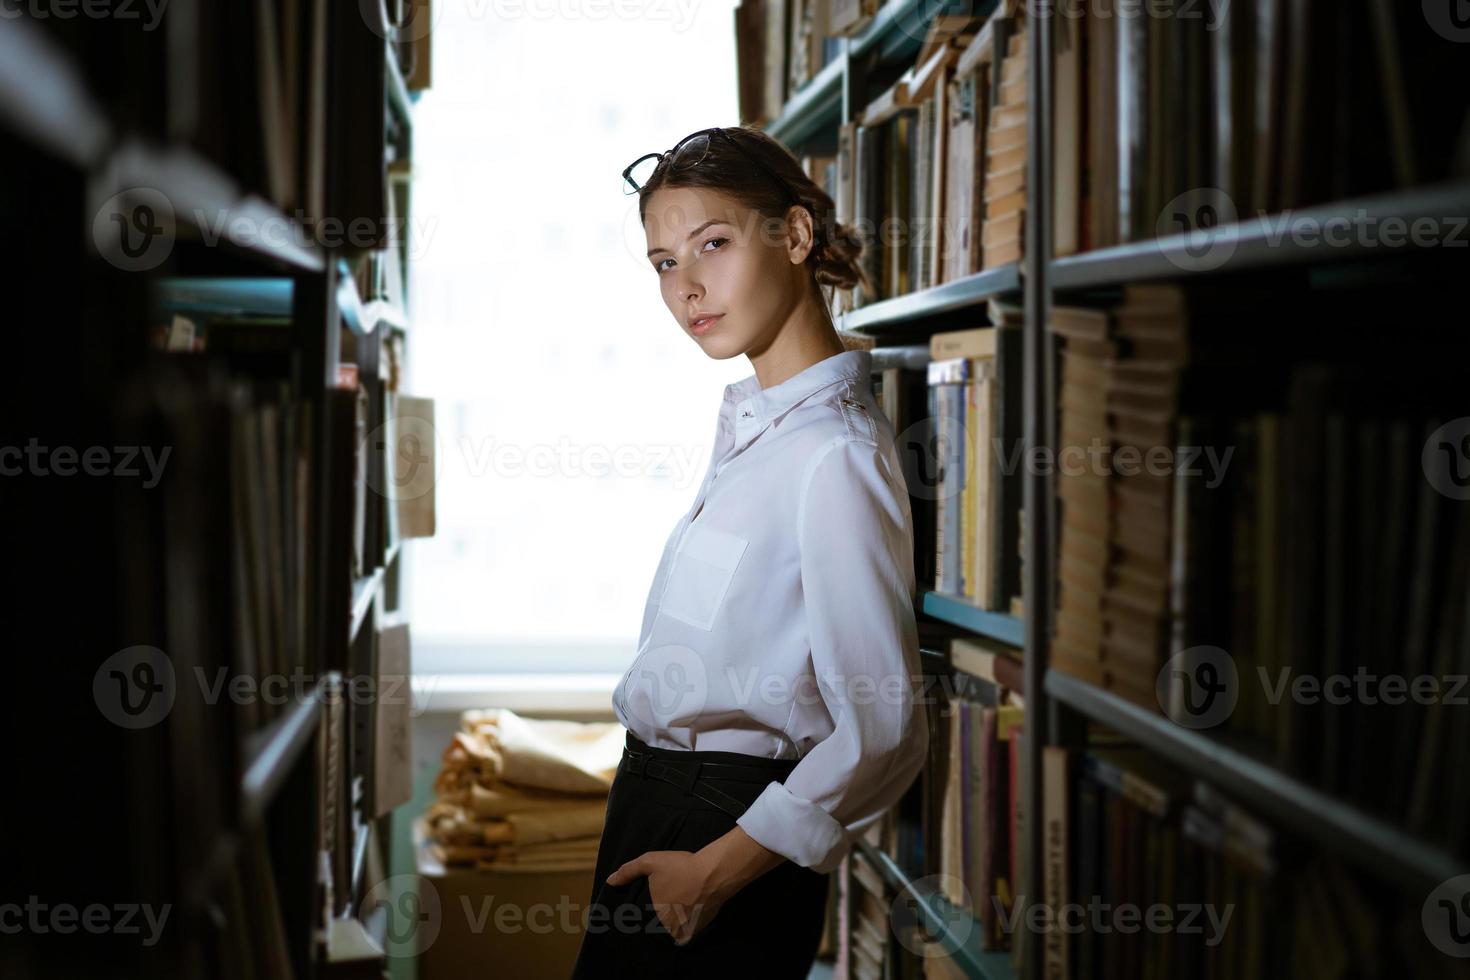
x,y
690,290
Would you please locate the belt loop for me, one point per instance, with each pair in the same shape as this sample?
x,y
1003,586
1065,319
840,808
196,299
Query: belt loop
x,y
691,776
636,762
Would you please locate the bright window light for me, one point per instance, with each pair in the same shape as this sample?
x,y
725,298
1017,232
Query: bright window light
x,y
575,419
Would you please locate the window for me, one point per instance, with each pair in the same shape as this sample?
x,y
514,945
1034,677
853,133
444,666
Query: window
x,y
574,416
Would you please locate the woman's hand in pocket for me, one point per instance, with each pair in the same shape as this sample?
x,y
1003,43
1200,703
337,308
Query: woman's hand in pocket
x,y
680,887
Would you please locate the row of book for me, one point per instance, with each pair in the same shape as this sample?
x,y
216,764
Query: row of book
x,y
780,45
1177,118
1289,571
1170,121
933,169
270,480
956,834
975,412
271,440
241,424
301,81
955,407
980,823
1152,874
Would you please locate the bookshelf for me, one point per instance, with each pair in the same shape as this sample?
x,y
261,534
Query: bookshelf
x,y
1388,850
1249,253
941,921
912,311
240,589
1256,244
951,609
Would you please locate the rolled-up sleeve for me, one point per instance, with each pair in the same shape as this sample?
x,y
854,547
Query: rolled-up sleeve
x,y
855,533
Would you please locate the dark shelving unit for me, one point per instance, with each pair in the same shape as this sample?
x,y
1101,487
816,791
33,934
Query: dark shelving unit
x,y
941,921
959,612
90,112
271,753
914,310
1263,243
1334,823
1057,705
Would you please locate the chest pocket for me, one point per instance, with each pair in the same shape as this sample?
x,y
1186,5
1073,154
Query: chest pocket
x,y
701,576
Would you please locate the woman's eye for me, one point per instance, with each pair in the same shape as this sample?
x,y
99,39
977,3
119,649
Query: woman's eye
x,y
659,265
721,241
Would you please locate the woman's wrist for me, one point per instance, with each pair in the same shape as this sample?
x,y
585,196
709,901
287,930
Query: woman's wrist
x,y
733,861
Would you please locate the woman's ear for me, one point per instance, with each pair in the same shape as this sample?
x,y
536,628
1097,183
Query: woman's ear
x,y
799,234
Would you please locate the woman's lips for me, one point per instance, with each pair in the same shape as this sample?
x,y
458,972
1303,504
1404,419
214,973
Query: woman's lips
x,y
706,324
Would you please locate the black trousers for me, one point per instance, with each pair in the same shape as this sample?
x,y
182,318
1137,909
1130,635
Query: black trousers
x,y
769,930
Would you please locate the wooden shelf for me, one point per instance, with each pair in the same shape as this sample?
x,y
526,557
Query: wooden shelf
x,y
817,105
1315,815
970,292
958,612
270,753
226,296
895,35
1266,242
364,318
898,29
45,99
956,929
208,202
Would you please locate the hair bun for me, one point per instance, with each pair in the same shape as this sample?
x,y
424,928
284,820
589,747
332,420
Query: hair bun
x,y
837,257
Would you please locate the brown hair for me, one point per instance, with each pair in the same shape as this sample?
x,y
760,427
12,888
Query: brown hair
x,y
836,247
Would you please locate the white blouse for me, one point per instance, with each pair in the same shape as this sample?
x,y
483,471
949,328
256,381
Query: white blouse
x,y
780,622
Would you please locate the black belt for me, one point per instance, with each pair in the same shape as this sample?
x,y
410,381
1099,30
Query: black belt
x,y
690,777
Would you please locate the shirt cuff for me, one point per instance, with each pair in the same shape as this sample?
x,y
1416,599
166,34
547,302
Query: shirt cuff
x,y
798,829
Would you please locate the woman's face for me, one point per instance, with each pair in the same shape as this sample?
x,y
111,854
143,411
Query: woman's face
x,y
730,276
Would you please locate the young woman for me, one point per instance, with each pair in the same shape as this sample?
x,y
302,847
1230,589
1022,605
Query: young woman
x,y
770,708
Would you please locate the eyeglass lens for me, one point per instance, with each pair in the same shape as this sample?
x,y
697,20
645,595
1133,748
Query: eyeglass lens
x,y
687,154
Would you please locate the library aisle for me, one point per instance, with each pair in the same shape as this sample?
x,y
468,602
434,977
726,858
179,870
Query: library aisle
x,y
1163,305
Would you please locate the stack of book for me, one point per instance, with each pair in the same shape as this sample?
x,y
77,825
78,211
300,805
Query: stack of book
x,y
1119,385
979,840
847,17
1005,161
1082,492
522,795
779,46
271,466
1142,382
985,149
1125,833
868,949
976,419
1186,119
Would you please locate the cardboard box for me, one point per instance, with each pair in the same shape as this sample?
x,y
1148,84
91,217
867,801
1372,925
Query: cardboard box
x,y
526,925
